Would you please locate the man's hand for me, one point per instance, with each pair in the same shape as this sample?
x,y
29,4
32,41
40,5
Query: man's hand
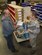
x,y
30,30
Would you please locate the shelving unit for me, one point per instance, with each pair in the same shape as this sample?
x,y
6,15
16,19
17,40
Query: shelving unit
x,y
38,9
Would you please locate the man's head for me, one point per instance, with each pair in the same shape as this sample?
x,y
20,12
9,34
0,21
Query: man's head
x,y
6,12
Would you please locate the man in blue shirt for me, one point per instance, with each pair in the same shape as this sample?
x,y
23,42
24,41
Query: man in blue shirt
x,y
8,30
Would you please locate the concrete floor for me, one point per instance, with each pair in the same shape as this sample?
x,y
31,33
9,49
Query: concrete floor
x,y
22,49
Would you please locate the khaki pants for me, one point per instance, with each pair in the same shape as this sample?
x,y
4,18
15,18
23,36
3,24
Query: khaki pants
x,y
33,42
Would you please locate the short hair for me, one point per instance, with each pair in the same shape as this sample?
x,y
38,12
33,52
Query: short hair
x,y
28,17
33,13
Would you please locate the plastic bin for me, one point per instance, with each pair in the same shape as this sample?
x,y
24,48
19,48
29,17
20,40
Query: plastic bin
x,y
25,4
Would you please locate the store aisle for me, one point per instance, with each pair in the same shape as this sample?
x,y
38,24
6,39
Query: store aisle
x,y
22,49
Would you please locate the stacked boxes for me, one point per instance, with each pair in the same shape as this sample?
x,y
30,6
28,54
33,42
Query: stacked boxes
x,y
15,12
18,12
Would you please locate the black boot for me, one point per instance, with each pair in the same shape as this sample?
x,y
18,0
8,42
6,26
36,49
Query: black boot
x,y
33,51
14,50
